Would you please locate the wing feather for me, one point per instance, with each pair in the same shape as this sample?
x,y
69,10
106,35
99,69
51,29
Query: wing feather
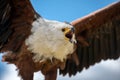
x,y
101,31
4,21
16,17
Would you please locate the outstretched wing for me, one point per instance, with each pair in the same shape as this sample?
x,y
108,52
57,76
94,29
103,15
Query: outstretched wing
x,y
101,30
16,17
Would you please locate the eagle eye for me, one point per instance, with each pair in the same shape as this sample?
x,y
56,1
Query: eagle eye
x,y
63,29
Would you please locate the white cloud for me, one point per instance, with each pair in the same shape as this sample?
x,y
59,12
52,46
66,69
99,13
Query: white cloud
x,y
10,73
106,70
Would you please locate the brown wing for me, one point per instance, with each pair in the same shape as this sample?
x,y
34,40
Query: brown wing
x,y
101,30
16,17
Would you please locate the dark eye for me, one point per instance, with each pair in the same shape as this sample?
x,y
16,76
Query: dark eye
x,y
63,29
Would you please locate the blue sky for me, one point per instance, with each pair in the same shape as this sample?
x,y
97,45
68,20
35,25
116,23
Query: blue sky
x,y
69,10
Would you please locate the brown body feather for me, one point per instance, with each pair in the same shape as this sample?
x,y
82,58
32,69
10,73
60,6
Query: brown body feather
x,y
97,32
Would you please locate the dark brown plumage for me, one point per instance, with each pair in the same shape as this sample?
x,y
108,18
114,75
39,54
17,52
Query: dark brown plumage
x,y
101,31
97,34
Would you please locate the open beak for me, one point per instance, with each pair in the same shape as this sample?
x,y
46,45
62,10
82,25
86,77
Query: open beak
x,y
71,36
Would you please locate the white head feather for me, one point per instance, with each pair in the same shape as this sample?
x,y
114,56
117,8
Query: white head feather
x,y
47,40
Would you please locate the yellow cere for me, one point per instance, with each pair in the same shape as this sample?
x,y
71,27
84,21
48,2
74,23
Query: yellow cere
x,y
66,30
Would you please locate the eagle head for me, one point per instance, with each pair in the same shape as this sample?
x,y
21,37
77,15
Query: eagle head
x,y
51,39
